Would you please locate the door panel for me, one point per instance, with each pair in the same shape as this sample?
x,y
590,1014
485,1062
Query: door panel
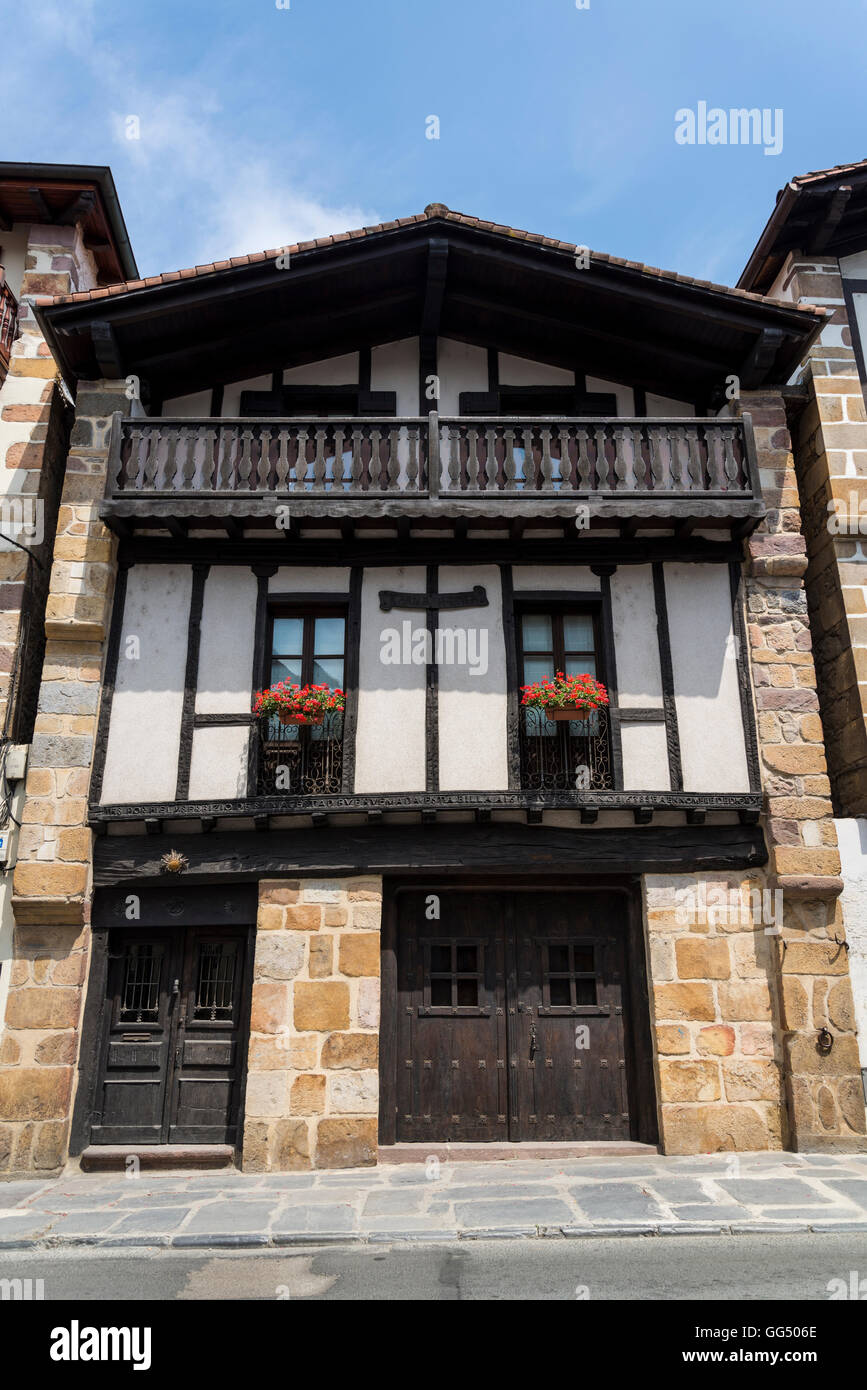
x,y
172,1053
137,1044
571,1065
207,1076
451,1025
510,1017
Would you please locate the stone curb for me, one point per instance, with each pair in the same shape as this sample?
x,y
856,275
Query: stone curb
x,y
251,1241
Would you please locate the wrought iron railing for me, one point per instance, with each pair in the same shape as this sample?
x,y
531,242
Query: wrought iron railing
x,y
301,760
413,457
564,755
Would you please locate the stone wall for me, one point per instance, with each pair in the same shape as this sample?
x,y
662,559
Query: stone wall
x,y
312,1096
52,878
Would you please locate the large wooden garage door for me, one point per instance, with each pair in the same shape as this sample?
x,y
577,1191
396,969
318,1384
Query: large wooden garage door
x,y
510,1020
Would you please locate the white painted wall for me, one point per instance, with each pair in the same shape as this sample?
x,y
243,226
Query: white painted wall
x,y
297,579
390,742
188,407
473,748
218,768
639,677
227,637
645,758
462,367
666,405
333,371
394,367
705,678
13,252
625,398
567,579
854,267
144,736
636,641
852,835
521,371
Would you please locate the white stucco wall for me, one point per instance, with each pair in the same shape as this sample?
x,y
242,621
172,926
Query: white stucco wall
x,y
394,367
707,695
309,579
144,735
189,407
636,641
218,767
333,371
854,267
639,677
852,835
226,645
462,367
473,748
521,371
567,579
13,252
390,742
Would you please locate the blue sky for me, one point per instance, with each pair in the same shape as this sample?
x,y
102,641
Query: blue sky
x,y
260,126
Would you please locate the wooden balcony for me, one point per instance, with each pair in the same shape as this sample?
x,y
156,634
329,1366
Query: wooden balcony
x,y
261,472
8,324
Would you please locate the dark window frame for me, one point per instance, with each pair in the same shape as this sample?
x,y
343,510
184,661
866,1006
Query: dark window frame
x,y
558,609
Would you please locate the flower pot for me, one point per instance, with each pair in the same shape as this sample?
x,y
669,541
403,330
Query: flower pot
x,y
570,712
303,720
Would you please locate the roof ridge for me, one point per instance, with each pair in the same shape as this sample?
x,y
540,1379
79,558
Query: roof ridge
x,y
431,212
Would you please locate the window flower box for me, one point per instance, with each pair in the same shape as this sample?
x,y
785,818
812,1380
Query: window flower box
x,y
300,705
565,697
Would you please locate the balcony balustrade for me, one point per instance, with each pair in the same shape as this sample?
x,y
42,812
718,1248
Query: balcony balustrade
x,y
564,755
416,464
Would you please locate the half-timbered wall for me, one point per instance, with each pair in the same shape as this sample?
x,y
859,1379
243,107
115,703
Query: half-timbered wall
x,y
395,367
187,669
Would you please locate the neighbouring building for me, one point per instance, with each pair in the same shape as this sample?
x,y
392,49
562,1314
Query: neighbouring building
x,y
814,251
427,463
61,230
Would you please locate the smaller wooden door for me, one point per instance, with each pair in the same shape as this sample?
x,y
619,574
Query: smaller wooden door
x,y
452,1081
568,1060
175,1024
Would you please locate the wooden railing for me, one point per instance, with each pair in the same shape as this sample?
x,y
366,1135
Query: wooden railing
x,y
414,457
8,323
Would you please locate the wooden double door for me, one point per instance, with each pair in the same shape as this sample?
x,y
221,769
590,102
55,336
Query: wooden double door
x,y
511,1021
174,1036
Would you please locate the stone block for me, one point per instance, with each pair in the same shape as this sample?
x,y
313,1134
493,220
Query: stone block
x,y
689,1081
321,1006
359,954
270,1008
307,1096
31,1007
354,1051
688,1129
751,1080
693,1002
41,1094
702,959
345,1143
717,1040
321,956
279,956
749,1002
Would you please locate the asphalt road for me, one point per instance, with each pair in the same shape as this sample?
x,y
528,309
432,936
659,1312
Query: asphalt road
x,y
737,1268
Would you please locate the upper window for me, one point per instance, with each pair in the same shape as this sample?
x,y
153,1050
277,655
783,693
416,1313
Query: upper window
x,y
308,648
567,754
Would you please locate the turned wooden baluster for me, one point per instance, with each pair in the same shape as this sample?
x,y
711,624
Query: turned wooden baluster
x,y
472,438
599,437
584,466
695,471
151,459
730,467
320,463
209,460
546,462
281,479
412,458
509,466
392,471
492,471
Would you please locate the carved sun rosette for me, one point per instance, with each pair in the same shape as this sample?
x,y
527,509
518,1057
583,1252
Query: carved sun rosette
x,y
174,862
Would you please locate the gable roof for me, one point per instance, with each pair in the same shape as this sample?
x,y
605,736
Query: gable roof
x,y
436,273
823,212
49,193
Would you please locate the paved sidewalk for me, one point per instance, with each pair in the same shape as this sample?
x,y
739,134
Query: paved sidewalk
x,y
649,1195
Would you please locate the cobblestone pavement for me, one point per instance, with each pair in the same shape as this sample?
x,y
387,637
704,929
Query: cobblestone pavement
x,y
647,1195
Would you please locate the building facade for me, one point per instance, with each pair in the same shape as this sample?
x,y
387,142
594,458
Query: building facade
x,y
427,464
61,231
814,251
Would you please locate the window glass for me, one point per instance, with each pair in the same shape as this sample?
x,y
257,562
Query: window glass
x,y
578,632
288,636
537,630
328,636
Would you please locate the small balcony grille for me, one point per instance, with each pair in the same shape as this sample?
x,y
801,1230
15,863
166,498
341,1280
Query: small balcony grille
x,y
564,755
301,760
